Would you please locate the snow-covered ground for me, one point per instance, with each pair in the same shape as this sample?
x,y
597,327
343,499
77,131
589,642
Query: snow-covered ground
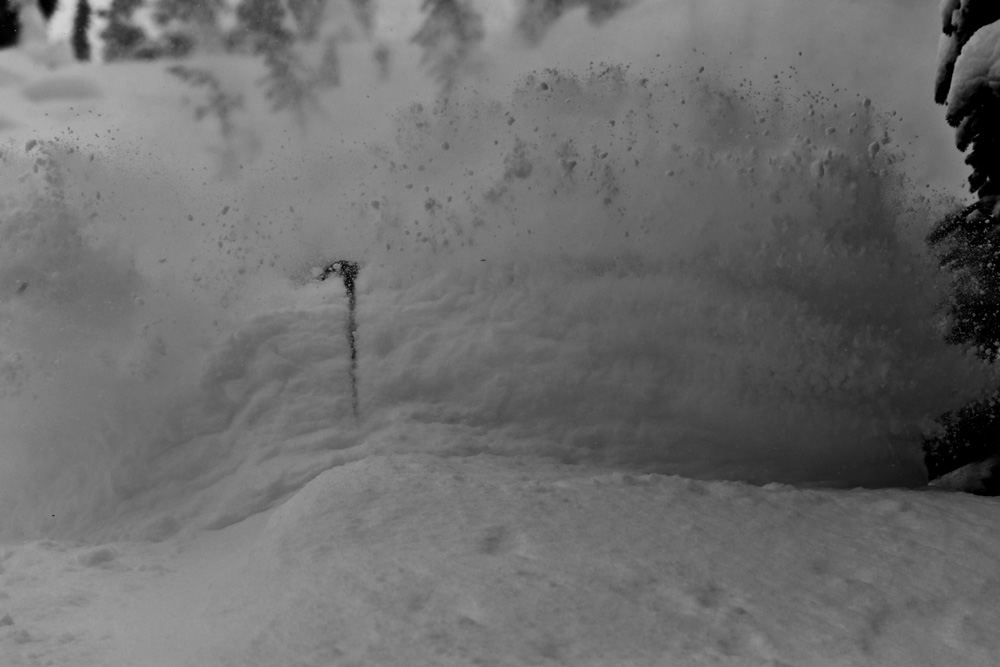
x,y
491,560
588,295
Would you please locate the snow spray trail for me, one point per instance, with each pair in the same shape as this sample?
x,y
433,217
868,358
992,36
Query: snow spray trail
x,y
662,270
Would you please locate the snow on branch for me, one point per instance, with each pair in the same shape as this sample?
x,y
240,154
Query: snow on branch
x,y
968,82
960,21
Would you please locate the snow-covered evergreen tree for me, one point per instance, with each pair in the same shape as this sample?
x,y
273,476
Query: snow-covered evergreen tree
x,y
968,82
968,240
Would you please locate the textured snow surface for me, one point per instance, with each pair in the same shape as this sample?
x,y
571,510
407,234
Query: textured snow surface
x,y
578,280
419,560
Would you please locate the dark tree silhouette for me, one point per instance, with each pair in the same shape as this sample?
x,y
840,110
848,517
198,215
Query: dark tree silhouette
x,y
273,30
448,37
48,7
537,16
10,24
81,23
10,21
453,29
122,38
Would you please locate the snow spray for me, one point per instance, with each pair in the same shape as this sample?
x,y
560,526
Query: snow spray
x,y
668,264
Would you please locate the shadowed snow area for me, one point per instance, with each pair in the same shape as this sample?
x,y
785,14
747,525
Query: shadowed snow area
x,y
584,286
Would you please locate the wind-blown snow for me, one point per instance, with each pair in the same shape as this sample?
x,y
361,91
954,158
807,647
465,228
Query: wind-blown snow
x,y
575,283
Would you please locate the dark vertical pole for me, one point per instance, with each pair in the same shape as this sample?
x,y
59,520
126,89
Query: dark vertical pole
x,y
348,271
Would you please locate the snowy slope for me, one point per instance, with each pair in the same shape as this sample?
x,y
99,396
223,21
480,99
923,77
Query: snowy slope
x,y
418,560
576,284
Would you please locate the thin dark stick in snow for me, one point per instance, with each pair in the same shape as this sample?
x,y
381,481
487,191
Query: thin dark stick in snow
x,y
348,271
